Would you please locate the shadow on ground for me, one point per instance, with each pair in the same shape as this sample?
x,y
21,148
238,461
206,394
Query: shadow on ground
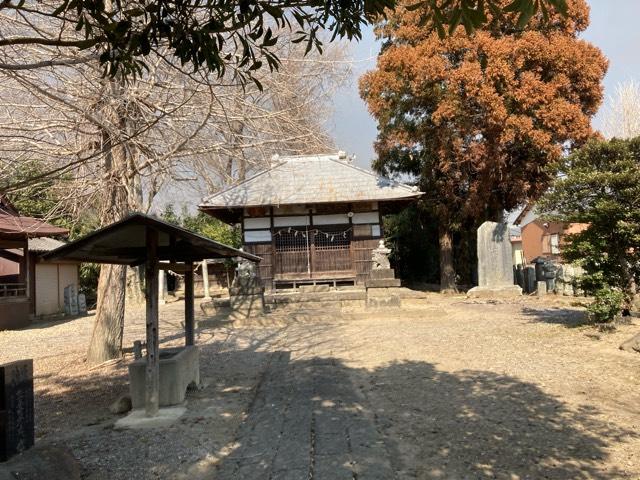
x,y
568,317
272,413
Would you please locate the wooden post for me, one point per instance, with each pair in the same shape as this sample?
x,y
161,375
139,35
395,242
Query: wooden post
x,y
152,377
189,311
205,280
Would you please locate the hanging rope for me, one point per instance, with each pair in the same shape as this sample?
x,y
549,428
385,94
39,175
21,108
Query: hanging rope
x,y
314,232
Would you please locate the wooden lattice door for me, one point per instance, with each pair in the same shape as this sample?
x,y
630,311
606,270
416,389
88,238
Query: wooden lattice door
x,y
293,254
331,252
316,252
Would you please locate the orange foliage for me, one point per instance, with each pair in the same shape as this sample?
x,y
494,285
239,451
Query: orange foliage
x,y
479,118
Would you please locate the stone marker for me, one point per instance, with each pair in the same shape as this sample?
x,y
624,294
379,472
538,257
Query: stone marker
x,y
495,262
246,294
17,432
162,287
530,279
71,300
82,303
205,281
542,288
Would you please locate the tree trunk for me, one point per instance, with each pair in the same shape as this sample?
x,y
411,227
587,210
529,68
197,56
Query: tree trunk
x,y
447,270
135,285
106,340
119,199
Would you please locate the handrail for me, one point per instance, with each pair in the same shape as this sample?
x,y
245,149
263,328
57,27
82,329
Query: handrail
x,y
13,289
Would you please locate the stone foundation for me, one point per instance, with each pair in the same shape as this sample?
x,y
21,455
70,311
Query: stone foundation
x,y
495,292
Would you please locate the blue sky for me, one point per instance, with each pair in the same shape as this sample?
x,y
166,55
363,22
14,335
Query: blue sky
x,y
614,29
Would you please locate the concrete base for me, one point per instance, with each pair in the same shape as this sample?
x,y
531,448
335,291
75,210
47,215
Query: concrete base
x,y
244,291
380,273
245,306
495,292
138,419
179,368
382,282
314,288
391,301
383,297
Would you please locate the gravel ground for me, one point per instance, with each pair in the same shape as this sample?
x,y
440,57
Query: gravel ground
x,y
455,389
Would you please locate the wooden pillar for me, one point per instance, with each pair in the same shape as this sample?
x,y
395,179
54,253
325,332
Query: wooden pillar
x,y
205,280
189,310
152,376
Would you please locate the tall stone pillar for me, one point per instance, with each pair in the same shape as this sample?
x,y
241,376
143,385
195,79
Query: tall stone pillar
x,y
205,281
162,287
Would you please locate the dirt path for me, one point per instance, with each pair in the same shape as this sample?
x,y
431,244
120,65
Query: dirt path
x,y
444,389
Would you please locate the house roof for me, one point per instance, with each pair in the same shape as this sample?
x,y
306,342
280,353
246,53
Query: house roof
x,y
18,226
124,243
307,180
44,244
6,206
527,215
13,225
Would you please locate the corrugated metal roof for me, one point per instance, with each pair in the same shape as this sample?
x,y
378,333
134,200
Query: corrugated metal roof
x,y
310,179
44,244
124,243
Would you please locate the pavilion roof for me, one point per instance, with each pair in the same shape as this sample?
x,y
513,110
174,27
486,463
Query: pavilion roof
x,y
124,243
307,180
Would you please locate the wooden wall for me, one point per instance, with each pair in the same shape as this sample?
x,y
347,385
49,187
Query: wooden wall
x,y
362,257
264,251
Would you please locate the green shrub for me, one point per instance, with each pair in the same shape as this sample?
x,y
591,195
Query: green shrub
x,y
607,305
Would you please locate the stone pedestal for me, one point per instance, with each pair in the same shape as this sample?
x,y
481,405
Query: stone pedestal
x,y
382,284
542,288
382,278
383,297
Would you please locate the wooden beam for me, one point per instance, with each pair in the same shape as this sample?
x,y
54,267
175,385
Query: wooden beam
x,y
189,310
174,267
152,375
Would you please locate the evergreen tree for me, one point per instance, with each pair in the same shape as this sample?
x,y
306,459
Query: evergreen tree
x,y
476,119
600,186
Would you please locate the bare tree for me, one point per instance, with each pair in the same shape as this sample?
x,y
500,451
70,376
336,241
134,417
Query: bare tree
x,y
621,117
114,144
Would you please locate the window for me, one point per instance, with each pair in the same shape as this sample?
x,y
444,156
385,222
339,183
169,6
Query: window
x,y
554,243
13,269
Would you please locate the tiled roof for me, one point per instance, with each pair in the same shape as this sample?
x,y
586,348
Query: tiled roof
x,y
44,244
310,179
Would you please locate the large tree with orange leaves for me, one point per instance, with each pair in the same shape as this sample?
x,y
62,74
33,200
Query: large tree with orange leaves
x,y
478,118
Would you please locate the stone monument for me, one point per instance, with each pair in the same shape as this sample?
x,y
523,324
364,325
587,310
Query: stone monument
x,y
495,262
382,286
17,432
71,299
246,294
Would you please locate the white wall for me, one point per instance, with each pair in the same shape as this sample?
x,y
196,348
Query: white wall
x,y
51,278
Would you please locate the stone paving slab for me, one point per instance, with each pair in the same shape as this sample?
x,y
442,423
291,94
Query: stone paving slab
x,y
307,422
